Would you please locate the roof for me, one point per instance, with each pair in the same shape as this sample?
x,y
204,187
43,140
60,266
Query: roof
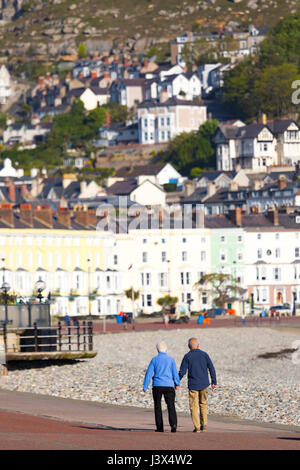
x,y
122,188
250,131
170,102
135,171
278,127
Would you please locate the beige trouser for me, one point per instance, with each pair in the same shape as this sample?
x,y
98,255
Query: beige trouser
x,y
198,402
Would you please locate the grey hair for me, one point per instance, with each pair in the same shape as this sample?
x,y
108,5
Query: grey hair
x,y
193,342
161,346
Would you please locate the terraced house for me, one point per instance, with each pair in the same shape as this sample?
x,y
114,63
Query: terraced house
x,y
64,250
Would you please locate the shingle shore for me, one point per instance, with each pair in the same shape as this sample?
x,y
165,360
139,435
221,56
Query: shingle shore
x,y
265,390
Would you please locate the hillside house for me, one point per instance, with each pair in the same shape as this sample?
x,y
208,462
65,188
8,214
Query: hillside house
x,y
161,121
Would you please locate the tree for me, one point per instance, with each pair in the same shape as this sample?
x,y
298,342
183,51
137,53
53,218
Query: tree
x,y
189,149
223,288
272,90
167,303
133,295
82,52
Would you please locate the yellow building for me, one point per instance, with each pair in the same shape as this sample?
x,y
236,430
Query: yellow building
x,y
66,251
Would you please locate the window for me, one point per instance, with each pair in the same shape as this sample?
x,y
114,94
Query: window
x,y
259,253
297,252
108,282
149,300
277,252
163,240
145,122
222,239
144,240
259,236
204,298
240,238
277,274
184,240
163,279
203,255
222,256
148,279
115,259
184,256
164,256
145,257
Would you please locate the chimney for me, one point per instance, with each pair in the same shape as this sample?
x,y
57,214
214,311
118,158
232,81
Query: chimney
x,y
163,96
281,182
7,214
26,214
92,217
236,216
43,214
12,192
64,216
200,216
82,217
264,119
107,117
273,216
211,189
23,190
188,188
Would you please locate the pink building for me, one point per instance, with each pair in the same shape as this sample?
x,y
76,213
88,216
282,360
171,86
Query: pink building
x,y
161,121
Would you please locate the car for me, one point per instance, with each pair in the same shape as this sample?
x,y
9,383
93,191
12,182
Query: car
x,y
284,309
212,312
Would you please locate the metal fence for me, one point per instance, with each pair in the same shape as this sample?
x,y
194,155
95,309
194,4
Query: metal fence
x,y
50,339
256,320
25,315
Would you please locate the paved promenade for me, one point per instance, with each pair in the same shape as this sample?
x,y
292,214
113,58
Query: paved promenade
x,y
39,422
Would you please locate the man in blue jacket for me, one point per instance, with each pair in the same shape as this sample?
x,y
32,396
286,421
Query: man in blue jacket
x,y
163,372
198,363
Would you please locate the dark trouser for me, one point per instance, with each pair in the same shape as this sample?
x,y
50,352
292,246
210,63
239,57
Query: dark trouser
x,y
169,396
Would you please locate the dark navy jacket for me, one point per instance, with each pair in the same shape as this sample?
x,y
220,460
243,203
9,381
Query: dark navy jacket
x,y
197,363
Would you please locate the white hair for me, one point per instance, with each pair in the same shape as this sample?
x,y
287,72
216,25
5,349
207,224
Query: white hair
x,y
161,346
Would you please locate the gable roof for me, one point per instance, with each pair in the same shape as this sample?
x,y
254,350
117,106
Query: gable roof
x,y
122,188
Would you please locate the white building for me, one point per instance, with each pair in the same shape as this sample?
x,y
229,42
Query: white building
x,y
161,121
161,262
5,85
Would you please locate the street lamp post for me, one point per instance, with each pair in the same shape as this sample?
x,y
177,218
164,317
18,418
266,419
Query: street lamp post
x,y
3,270
294,302
40,285
5,289
89,285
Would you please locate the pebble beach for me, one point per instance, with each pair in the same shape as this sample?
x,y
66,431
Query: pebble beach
x,y
249,387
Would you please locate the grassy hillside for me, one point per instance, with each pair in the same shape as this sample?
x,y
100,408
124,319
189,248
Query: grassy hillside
x,y
46,23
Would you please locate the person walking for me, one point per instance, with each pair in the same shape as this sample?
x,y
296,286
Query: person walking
x,y
165,379
198,363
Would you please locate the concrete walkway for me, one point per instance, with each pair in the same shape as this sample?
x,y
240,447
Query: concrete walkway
x,y
38,422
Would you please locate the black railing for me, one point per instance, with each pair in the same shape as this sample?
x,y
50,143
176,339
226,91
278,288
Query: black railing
x,y
253,320
50,339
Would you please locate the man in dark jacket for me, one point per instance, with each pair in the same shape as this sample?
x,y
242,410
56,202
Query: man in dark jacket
x,y
198,363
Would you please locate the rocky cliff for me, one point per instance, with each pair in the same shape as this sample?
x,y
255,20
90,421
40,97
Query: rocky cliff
x,y
54,27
